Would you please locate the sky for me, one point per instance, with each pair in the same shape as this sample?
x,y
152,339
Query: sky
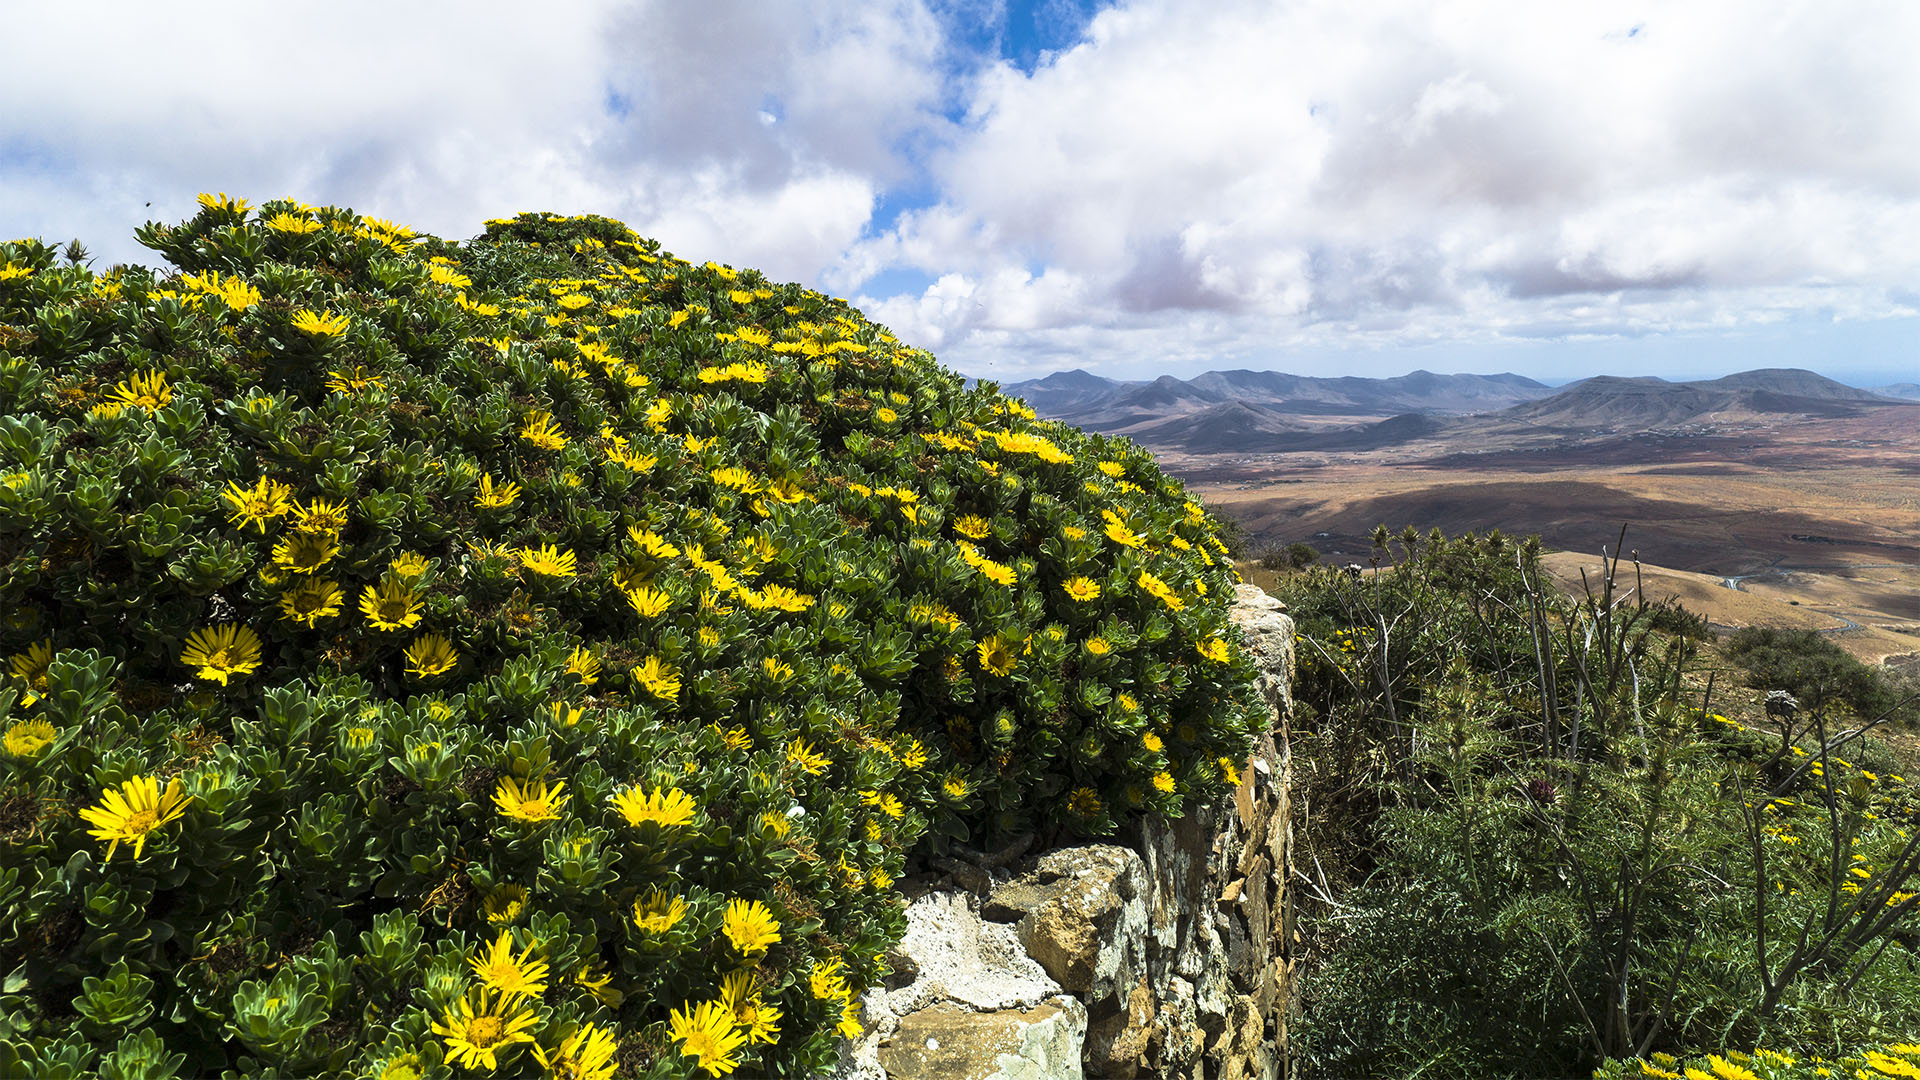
x,y
1681,189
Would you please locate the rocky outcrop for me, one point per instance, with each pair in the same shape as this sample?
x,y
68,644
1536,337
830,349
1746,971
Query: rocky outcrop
x,y
1164,954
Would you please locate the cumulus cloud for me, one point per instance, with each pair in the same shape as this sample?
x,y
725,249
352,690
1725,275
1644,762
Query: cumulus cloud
x,y
1154,186
1413,172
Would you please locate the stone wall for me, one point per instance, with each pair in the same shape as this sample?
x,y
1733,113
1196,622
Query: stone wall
x,y
1164,954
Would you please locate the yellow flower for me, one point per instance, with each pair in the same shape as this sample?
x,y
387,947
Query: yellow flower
x,y
1163,781
541,431
352,380
657,912
1098,646
320,323
659,680
30,667
1084,802
737,479
1216,650
741,996
1118,532
221,652
409,566
512,976
587,1054
258,504
707,1034
750,925
1151,584
493,498
310,601
223,202
955,787
320,516
1229,774
148,391
533,802
305,552
593,977
648,601
430,655
996,655
504,904
802,753
828,982
476,1029
391,606
1082,589
849,1025
291,223
583,665
548,561
28,738
134,812
650,543
664,808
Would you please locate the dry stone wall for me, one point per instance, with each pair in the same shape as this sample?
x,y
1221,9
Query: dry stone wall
x,y
1163,954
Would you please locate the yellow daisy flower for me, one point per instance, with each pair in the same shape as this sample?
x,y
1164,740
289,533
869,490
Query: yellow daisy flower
x,y
658,679
258,504
658,912
221,652
802,753
707,1034
28,738
310,601
494,498
996,656
549,561
740,994
541,431
430,655
583,665
147,391
30,667
305,552
323,324
512,976
664,808
750,926
134,812
532,802
391,606
479,1026
587,1054
504,904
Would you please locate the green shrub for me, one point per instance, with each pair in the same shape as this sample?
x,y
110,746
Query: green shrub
x,y
539,651
1817,672
1555,852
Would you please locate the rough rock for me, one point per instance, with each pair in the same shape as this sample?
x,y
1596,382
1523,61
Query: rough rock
x,y
1166,954
946,1042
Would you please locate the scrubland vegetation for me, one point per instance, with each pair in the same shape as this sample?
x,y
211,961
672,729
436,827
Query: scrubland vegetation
x,y
1545,836
537,655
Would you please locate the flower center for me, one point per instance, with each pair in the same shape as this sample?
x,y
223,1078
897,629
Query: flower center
x,y
485,1031
222,658
142,821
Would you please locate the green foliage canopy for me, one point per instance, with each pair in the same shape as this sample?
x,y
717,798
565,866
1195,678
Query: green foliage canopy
x,y
538,652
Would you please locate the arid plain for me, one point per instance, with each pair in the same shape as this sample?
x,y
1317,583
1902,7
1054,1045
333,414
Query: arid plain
x,y
1769,520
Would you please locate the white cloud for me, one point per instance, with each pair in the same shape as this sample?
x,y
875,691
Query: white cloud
x,y
1188,185
1319,172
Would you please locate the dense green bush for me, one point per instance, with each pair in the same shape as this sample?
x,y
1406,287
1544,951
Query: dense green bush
x,y
1818,673
1537,845
534,653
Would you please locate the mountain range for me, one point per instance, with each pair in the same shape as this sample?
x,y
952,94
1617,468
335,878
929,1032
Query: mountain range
x,y
1270,411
